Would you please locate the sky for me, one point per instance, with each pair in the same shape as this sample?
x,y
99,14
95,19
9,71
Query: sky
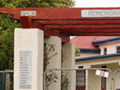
x,y
97,3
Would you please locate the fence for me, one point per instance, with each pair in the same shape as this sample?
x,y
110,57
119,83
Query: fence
x,y
70,79
116,84
6,80
77,79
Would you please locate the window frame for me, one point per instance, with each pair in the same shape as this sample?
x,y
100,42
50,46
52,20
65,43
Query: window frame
x,y
102,51
116,48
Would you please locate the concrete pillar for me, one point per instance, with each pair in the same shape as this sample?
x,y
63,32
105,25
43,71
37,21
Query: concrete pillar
x,y
87,77
28,59
54,62
69,62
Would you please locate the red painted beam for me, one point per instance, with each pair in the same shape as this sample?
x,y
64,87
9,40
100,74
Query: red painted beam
x,y
56,13
74,22
65,37
90,31
94,34
37,24
26,22
7,10
83,26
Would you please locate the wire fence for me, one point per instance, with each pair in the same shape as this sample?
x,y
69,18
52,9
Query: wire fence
x,y
71,79
77,79
116,83
6,80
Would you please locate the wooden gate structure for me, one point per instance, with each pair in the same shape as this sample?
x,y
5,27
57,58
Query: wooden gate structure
x,y
65,22
62,22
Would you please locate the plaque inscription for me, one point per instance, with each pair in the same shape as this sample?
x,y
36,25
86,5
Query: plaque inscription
x,y
101,13
28,13
25,78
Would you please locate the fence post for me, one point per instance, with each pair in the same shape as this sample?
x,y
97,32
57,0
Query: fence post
x,y
87,77
3,81
7,81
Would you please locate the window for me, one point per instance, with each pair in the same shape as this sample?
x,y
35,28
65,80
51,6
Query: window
x,y
103,81
104,51
118,49
80,79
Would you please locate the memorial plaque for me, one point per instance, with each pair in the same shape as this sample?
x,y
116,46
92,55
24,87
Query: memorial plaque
x,y
25,70
101,13
28,13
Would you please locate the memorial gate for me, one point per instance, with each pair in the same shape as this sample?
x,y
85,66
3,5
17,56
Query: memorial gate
x,y
54,26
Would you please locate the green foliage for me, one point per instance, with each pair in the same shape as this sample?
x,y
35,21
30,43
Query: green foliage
x,y
64,74
48,54
11,82
64,81
51,77
36,3
77,52
7,25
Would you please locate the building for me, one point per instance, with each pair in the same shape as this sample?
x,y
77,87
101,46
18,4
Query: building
x,y
98,52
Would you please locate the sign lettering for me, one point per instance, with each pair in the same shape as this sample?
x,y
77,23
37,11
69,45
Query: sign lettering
x,y
101,13
28,13
25,70
102,73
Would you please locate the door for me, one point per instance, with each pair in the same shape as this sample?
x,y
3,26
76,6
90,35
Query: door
x,y
80,79
103,81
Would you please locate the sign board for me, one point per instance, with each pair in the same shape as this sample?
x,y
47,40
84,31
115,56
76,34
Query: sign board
x,y
102,73
101,13
25,73
28,13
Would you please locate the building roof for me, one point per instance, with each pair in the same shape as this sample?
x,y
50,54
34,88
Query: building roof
x,y
97,57
86,41
106,41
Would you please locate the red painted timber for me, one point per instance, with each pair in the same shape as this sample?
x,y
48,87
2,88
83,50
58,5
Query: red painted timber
x,y
94,34
74,22
91,31
26,22
56,13
83,26
7,10
70,16
37,24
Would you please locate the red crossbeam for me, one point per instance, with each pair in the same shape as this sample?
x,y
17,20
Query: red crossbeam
x,y
77,22
56,13
95,34
83,26
91,30
63,22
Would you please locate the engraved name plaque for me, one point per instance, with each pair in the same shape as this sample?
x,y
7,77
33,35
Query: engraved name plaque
x,y
25,78
28,13
101,13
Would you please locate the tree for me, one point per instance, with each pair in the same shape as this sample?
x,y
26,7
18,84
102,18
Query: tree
x,y
8,24
36,3
77,51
